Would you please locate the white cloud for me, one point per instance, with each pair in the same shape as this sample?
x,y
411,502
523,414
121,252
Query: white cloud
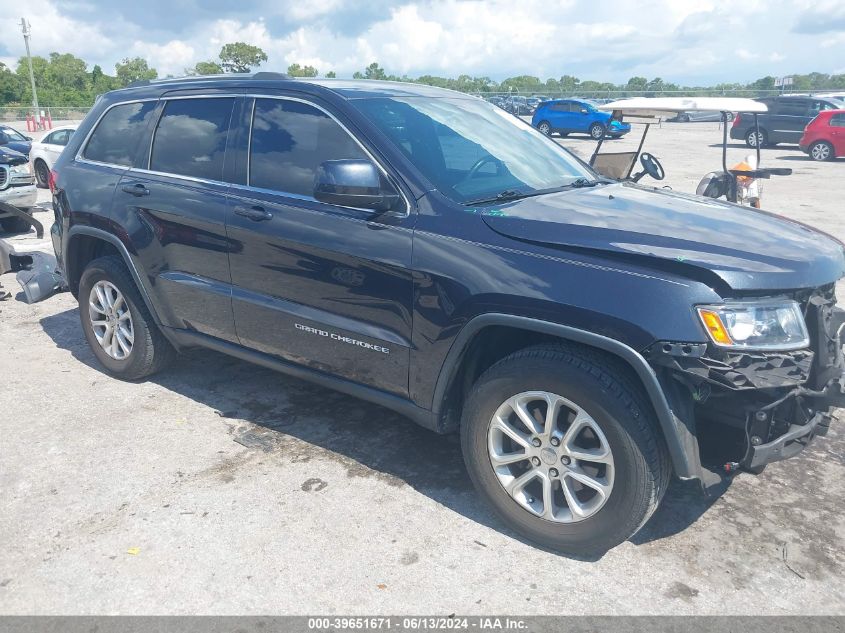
x,y
607,40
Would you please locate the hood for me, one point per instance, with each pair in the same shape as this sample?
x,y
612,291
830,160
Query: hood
x,y
715,242
11,157
24,147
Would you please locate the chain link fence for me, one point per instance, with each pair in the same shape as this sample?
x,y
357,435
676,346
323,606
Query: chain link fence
x,y
625,94
62,113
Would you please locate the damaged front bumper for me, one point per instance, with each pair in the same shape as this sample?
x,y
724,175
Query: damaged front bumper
x,y
779,401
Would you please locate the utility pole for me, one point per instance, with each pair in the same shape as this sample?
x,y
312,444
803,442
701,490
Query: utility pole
x,y
25,27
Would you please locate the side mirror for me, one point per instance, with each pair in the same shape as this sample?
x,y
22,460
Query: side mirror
x,y
354,183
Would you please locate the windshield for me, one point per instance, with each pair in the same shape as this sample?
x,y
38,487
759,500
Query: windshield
x,y
471,150
13,134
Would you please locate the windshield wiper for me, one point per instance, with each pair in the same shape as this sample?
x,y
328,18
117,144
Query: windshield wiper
x,y
581,182
502,196
513,194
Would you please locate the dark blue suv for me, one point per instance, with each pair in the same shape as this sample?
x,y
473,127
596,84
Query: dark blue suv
x,y
427,251
564,116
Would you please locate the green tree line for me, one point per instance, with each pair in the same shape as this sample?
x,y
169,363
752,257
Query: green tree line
x,y
63,79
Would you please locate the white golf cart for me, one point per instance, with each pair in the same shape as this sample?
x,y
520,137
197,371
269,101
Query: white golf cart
x,y
737,184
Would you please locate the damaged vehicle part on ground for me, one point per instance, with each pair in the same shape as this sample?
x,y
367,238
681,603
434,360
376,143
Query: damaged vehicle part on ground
x,y
433,254
17,192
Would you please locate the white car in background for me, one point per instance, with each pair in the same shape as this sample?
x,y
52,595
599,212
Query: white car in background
x,y
44,153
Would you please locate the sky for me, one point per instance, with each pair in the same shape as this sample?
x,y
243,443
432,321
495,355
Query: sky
x,y
691,42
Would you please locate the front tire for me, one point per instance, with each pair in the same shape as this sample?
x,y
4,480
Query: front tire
x,y
42,173
820,151
564,448
597,131
117,323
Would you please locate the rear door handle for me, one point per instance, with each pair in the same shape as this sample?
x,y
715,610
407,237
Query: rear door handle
x,y
256,214
136,190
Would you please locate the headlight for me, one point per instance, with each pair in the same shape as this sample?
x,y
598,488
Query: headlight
x,y
761,325
21,174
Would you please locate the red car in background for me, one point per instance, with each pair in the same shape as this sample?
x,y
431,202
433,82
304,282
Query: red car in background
x,y
824,136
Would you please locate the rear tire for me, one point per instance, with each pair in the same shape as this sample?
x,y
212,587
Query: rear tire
x,y
636,465
821,151
597,131
751,138
545,128
142,349
42,173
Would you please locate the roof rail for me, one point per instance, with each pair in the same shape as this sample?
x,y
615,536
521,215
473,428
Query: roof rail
x,y
261,75
269,74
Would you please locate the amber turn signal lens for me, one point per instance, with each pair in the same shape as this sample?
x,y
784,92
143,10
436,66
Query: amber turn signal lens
x,y
714,325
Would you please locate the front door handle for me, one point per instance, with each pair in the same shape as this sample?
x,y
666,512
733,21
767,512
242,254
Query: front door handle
x,y
256,214
136,190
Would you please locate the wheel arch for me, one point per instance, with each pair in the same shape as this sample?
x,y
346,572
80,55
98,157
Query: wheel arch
x,y
85,244
466,356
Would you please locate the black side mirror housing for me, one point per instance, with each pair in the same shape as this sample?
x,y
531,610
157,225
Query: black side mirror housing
x,y
355,183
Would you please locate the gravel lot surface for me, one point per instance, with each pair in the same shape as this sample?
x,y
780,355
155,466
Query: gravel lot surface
x,y
223,488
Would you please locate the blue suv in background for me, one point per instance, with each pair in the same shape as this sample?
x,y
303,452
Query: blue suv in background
x,y
563,116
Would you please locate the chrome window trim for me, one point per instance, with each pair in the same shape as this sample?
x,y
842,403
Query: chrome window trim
x,y
152,172
146,170
84,145
369,154
332,212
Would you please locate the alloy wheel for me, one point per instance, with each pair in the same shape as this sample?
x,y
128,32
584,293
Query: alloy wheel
x,y
820,151
550,456
545,129
111,320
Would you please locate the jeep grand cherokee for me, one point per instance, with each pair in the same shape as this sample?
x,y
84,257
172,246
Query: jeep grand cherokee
x,y
427,251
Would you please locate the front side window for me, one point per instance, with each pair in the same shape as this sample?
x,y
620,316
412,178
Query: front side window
x,y
190,139
290,140
116,138
470,150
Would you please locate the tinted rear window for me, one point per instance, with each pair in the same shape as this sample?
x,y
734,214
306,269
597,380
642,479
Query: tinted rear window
x,y
115,140
290,140
190,139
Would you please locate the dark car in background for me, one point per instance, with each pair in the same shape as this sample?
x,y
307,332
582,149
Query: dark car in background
x,y
496,101
421,249
565,116
518,105
785,121
700,116
11,139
